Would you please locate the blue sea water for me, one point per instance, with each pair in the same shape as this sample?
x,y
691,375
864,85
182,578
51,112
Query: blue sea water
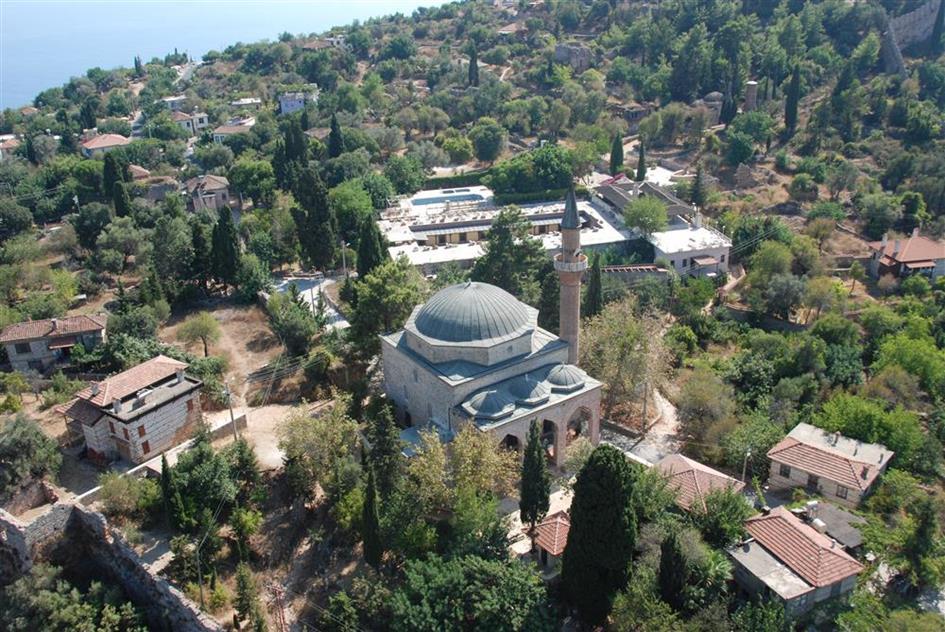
x,y
45,42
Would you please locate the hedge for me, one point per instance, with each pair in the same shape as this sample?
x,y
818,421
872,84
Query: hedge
x,y
502,199
468,179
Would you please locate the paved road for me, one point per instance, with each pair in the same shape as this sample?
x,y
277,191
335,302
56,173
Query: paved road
x,y
659,441
309,290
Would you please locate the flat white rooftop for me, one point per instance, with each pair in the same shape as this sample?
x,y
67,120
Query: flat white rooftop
x,y
689,239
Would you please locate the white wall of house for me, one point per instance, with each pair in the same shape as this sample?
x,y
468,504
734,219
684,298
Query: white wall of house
x,y
831,490
683,263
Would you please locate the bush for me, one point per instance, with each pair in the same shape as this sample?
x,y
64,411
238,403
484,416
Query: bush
x,y
803,188
25,452
61,390
125,497
826,210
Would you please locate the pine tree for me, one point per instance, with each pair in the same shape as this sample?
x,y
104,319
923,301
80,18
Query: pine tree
x,y
315,220
385,456
595,566
336,142
371,250
370,523
641,162
938,31
792,98
673,575
697,194
246,597
225,257
121,200
594,301
473,66
616,155
536,482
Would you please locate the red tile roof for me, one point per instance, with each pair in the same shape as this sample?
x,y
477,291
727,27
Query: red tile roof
x,y
180,116
105,140
807,449
552,532
692,481
916,248
819,560
52,327
129,382
207,183
80,410
232,129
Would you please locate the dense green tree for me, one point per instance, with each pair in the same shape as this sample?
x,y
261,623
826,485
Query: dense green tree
x,y
473,65
674,571
89,223
594,298
315,221
405,173
640,175
121,200
536,482
488,139
603,534
341,615
336,144
372,250
25,452
14,219
512,256
225,248
370,523
385,456
723,522
247,595
616,155
386,297
646,214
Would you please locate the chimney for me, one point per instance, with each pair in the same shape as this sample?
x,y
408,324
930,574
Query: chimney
x,y
180,376
896,248
819,526
697,218
55,323
881,456
866,471
116,405
765,510
833,543
915,232
884,241
95,389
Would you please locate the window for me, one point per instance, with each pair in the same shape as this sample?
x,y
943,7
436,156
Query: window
x,y
140,431
125,430
813,482
463,238
145,447
723,259
190,405
684,262
440,240
111,427
785,471
35,365
842,491
22,348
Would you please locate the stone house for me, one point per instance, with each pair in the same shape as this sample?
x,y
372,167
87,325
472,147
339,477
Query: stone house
x,y
290,102
902,258
138,413
838,468
786,560
38,345
191,123
102,144
236,126
692,481
208,192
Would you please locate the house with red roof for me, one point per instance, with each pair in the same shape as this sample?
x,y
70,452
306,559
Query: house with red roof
x,y
904,257
191,123
692,481
788,560
102,144
137,413
840,469
551,536
39,345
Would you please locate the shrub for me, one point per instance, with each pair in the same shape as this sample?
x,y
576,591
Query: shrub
x,y
124,497
25,452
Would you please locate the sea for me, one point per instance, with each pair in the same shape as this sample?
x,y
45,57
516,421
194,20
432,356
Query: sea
x,y
43,43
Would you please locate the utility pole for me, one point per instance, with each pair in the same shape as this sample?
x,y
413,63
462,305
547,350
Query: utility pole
x,y
200,576
344,261
229,402
278,594
745,464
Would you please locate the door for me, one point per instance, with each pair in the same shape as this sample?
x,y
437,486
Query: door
x,y
813,483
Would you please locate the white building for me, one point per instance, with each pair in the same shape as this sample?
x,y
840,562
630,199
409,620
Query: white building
x,y
233,127
439,226
252,103
102,144
138,413
692,249
191,123
290,102
174,103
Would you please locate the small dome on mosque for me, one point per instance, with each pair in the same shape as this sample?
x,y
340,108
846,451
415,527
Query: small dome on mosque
x,y
565,378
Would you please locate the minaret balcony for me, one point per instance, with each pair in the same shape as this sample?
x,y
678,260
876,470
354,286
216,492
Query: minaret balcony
x,y
578,264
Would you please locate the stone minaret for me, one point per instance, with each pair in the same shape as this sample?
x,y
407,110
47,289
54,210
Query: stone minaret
x,y
570,265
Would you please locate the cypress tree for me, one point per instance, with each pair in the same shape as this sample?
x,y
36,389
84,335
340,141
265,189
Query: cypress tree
x,y
697,194
536,482
792,98
673,575
246,597
336,143
371,250
641,163
385,456
121,199
473,66
603,534
167,484
31,151
225,257
296,143
616,155
114,169
370,521
88,113
938,44
139,67
315,220
594,302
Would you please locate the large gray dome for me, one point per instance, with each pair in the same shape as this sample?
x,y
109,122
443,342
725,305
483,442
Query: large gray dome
x,y
469,312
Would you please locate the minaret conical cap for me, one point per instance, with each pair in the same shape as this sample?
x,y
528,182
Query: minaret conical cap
x,y
571,217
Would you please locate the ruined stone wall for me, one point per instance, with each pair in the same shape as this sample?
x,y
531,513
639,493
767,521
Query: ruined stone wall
x,y
916,26
86,536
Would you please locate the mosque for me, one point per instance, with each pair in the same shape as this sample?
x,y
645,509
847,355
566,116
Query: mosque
x,y
474,354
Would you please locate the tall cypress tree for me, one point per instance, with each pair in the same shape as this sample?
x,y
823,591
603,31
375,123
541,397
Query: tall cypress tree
x,y
371,248
473,65
31,151
336,142
385,455
594,302
315,220
673,575
792,98
697,194
616,155
536,482
641,163
225,258
603,534
296,143
121,200
139,67
114,169
167,484
370,523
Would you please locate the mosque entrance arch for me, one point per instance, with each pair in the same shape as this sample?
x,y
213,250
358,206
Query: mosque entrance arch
x,y
510,442
578,424
549,438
